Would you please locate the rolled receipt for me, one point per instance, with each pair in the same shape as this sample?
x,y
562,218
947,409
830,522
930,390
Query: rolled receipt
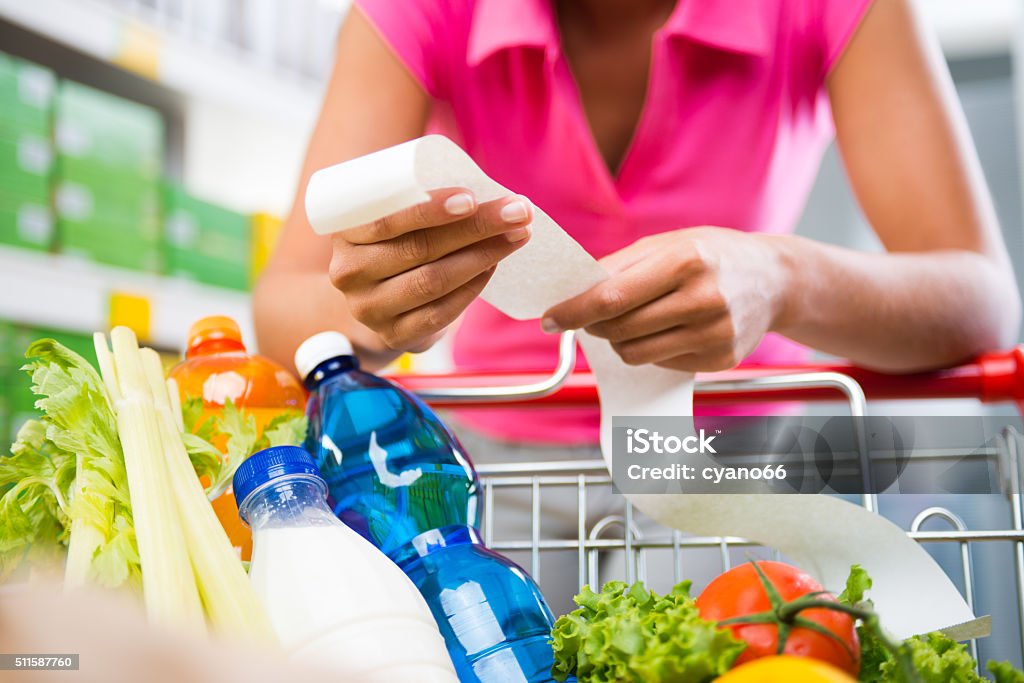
x,y
821,534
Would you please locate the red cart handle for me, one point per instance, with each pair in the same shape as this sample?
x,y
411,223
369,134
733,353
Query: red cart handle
x,y
992,377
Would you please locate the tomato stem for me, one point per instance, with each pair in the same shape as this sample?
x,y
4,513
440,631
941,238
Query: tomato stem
x,y
785,615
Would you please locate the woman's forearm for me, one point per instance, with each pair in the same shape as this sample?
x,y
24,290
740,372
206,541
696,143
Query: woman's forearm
x,y
290,306
895,311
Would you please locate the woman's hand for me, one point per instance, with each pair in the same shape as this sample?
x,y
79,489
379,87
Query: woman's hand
x,y
698,299
410,275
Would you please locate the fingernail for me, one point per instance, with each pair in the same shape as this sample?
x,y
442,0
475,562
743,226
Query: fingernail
x,y
459,204
549,325
515,212
519,234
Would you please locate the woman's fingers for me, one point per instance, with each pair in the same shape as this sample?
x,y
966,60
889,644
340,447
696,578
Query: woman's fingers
x,y
451,207
618,295
435,280
693,304
410,327
712,339
355,263
409,275
444,206
507,217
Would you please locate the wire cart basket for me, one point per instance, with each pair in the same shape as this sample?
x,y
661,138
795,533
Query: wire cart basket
x,y
984,558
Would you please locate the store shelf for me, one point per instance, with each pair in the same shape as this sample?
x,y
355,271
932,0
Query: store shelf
x,y
205,72
66,293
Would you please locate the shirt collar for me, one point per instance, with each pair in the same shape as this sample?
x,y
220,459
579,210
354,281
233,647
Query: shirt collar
x,y
742,26
504,24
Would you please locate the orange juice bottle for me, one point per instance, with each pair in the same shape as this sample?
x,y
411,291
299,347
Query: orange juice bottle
x,y
217,368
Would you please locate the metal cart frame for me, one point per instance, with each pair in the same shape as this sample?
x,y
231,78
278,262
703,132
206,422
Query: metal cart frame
x,y
992,378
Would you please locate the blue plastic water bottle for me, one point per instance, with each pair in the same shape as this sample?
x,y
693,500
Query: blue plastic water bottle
x,y
401,479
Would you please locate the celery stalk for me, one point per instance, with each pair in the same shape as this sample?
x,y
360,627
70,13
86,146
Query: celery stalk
x,y
85,539
232,605
169,588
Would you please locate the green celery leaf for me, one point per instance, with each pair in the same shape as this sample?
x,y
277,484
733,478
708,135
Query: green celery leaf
x,y
79,421
240,428
191,413
206,459
242,440
35,482
287,429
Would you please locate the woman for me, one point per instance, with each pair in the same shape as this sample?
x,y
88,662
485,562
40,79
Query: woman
x,y
639,125
678,142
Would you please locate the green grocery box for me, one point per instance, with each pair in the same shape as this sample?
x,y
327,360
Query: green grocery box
x,y
6,438
88,192
93,211
207,270
111,249
114,233
193,224
108,181
28,225
7,365
93,125
24,171
26,97
108,201
25,153
17,384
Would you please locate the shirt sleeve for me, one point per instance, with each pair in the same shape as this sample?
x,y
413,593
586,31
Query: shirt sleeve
x,y
838,21
410,29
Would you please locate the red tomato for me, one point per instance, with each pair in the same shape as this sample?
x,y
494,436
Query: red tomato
x,y
739,592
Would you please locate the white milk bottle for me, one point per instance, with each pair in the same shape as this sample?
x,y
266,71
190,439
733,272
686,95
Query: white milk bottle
x,y
333,599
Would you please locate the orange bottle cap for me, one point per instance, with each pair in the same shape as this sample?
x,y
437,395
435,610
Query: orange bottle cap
x,y
214,328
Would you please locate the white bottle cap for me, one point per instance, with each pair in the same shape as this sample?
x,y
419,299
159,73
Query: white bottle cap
x,y
318,348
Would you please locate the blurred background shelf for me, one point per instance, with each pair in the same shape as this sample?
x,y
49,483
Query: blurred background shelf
x,y
181,46
70,294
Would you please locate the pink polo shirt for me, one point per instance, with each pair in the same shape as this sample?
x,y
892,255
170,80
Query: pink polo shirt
x,y
731,134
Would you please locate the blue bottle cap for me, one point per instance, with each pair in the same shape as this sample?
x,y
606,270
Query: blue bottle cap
x,y
269,464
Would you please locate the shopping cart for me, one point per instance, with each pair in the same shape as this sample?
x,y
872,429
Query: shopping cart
x,y
992,378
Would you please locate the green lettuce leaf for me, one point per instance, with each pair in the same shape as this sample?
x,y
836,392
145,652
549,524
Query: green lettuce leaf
x,y
935,657
633,634
1003,672
858,583
873,652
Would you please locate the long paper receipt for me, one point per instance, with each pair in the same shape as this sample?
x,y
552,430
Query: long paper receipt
x,y
821,534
